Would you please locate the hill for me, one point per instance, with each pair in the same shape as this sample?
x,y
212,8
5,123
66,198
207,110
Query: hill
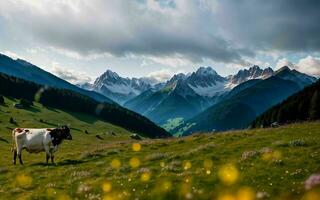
x,y
41,116
301,106
74,102
262,163
27,71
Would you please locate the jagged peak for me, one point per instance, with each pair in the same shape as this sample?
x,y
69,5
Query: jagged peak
x,y
178,77
268,69
110,74
206,71
255,67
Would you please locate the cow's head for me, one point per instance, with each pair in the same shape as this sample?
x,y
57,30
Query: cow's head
x,y
65,130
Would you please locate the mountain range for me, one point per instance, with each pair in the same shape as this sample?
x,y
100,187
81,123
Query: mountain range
x,y
199,101
203,100
205,82
247,101
117,88
184,96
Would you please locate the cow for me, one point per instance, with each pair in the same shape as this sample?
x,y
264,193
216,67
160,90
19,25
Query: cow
x,y
38,140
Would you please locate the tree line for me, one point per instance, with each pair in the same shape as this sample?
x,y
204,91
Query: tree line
x,y
302,106
75,102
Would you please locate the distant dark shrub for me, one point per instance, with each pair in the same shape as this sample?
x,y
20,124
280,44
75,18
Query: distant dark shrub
x,y
26,103
1,99
180,141
12,121
99,137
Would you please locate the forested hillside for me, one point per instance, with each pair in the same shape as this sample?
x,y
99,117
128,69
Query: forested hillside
x,y
27,71
75,102
304,105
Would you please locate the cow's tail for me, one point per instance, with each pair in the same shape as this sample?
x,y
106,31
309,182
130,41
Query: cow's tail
x,y
13,140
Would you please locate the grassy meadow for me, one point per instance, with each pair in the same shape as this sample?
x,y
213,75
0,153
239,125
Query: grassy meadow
x,y
238,165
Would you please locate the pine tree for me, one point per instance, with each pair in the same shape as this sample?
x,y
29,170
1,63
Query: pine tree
x,y
314,111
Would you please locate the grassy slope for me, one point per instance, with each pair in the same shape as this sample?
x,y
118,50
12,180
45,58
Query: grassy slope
x,y
83,165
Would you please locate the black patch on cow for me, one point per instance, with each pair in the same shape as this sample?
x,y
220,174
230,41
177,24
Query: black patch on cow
x,y
56,136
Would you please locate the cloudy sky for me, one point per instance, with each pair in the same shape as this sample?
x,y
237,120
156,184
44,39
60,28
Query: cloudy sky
x,y
80,39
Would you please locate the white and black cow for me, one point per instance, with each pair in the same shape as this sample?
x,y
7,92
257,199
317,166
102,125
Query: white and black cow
x,y
38,140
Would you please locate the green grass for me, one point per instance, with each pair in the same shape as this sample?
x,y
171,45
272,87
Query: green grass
x,y
270,162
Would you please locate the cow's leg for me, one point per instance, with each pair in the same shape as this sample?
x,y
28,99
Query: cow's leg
x,y
52,158
52,150
48,153
14,156
20,158
47,158
19,150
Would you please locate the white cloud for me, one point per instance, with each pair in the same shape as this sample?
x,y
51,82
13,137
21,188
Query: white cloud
x,y
36,50
309,65
158,28
161,75
247,63
168,61
12,55
69,75
284,62
78,56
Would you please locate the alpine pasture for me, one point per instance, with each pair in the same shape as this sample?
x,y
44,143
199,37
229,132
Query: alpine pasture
x,y
102,162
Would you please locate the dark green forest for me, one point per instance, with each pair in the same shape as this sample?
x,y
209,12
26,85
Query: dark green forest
x,y
75,102
302,106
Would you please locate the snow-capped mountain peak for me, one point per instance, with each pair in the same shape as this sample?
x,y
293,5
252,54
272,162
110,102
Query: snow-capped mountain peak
x,y
204,76
206,71
204,82
118,88
111,74
254,72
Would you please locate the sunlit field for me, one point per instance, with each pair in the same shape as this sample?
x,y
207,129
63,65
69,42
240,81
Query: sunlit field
x,y
102,162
